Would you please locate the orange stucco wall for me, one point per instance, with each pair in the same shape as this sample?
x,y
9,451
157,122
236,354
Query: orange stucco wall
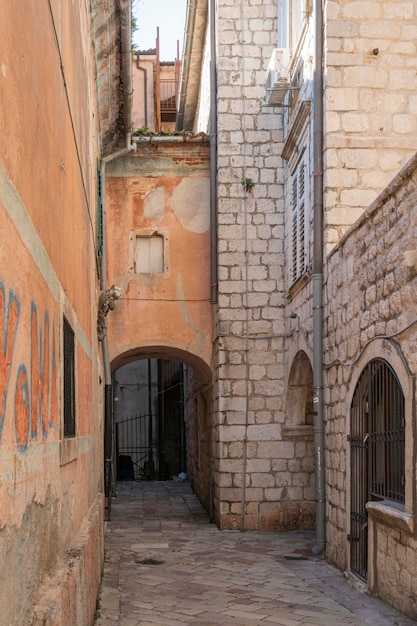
x,y
161,189
47,270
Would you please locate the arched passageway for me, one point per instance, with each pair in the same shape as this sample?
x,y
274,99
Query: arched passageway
x,y
163,419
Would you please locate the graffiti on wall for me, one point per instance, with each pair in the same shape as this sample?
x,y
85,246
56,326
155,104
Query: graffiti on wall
x,y
33,390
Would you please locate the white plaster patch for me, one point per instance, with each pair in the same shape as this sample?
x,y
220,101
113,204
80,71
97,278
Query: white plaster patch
x,y
154,205
191,204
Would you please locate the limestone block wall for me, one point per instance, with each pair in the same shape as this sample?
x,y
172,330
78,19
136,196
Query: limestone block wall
x,y
255,466
370,103
370,311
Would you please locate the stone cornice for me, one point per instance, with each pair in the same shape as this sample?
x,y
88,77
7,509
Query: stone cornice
x,y
303,114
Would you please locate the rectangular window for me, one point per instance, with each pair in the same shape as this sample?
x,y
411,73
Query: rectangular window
x,y
69,379
291,18
283,21
298,218
149,254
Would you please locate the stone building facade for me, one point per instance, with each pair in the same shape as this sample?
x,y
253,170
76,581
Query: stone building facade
x,y
370,319
268,133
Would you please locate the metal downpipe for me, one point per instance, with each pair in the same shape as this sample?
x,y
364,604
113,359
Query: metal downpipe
x,y
108,412
317,278
213,157
186,56
126,47
145,89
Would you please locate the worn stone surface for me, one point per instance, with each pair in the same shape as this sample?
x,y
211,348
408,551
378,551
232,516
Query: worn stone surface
x,y
371,291
167,565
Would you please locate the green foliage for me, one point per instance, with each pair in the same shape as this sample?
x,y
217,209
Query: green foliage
x,y
248,183
143,130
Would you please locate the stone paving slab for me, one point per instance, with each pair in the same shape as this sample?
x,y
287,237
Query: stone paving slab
x,y
167,565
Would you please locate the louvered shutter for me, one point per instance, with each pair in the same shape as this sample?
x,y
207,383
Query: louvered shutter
x,y
298,243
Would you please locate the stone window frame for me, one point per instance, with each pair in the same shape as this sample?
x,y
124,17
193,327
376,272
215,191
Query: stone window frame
x,y
149,233
390,514
295,428
296,148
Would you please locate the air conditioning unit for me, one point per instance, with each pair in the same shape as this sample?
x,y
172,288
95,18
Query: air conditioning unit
x,y
278,78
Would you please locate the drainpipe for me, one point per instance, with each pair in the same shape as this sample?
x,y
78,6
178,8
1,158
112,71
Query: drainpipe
x,y
126,74
317,282
145,88
213,156
186,58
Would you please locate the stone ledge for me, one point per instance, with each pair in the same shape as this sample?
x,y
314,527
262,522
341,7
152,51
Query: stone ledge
x,y
391,516
298,431
68,450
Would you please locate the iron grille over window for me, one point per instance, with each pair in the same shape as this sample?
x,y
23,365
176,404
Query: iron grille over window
x,y
69,380
377,442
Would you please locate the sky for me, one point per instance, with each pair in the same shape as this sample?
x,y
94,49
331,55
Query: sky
x,y
169,15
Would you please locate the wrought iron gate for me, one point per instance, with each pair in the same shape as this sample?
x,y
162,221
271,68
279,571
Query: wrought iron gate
x,y
149,447
377,452
135,451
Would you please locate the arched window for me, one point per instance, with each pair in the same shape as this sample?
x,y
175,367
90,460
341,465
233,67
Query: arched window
x,y
377,441
378,419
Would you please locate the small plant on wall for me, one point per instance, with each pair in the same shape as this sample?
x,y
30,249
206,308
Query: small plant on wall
x,y
248,184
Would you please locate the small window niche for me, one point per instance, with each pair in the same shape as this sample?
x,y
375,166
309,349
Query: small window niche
x,y
149,254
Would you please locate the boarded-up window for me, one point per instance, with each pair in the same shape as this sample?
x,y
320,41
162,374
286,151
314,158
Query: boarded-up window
x,y
149,254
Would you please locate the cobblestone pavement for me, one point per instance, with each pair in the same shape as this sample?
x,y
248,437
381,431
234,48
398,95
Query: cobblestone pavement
x,y
167,565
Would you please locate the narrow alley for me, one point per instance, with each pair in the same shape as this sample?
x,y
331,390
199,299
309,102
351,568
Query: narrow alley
x,y
166,564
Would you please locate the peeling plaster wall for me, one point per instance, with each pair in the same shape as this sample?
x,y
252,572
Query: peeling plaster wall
x,y
51,505
162,190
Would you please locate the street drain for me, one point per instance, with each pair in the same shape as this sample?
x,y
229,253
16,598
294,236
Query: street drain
x,y
297,558
151,562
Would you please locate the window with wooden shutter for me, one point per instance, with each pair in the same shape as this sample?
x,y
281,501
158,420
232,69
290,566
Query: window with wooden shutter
x,y
149,254
298,219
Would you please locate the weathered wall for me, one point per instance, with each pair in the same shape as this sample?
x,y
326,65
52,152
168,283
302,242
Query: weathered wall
x,y
143,91
50,493
162,192
370,312
199,433
370,103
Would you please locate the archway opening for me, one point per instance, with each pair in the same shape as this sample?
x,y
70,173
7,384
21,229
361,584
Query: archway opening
x,y
149,420
163,427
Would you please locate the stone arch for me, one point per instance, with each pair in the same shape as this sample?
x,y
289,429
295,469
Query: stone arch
x,y
381,513
164,352
197,411
390,352
299,405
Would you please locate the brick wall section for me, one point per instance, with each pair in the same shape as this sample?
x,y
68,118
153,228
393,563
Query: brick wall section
x,y
370,102
371,290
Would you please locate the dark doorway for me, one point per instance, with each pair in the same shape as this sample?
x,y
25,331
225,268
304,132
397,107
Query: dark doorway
x,y
149,420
